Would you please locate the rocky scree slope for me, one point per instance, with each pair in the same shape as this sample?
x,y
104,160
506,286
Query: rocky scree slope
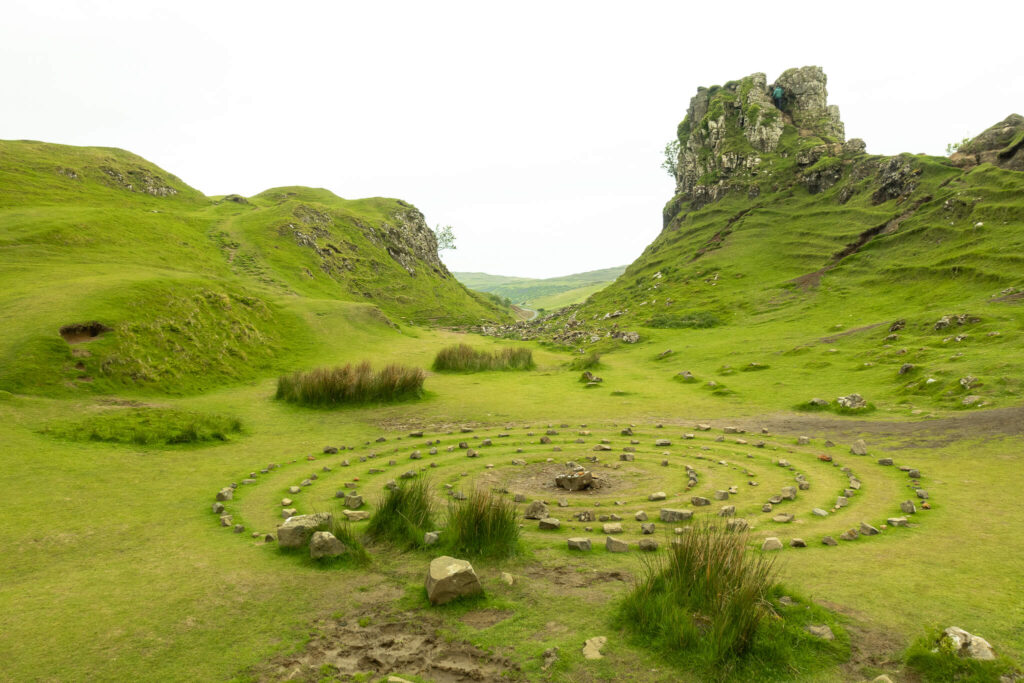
x,y
160,288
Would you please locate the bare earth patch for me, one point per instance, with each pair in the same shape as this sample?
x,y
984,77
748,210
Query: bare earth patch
x,y
390,644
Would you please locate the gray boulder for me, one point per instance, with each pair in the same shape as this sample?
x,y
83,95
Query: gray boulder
x,y
324,544
536,510
449,578
614,545
674,515
296,531
578,543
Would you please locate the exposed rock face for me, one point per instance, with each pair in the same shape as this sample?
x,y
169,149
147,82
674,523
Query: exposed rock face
x,y
408,239
806,101
1001,145
728,130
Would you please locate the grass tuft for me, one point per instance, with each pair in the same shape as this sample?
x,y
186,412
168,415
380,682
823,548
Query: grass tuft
x,y
464,358
403,514
483,525
708,594
350,384
147,426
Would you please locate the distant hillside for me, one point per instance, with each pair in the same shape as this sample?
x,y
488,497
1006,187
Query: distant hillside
x,y
184,291
549,293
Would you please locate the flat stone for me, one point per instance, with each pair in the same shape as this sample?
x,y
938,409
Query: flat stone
x,y
907,507
789,493
226,493
849,535
674,515
294,489
355,515
579,543
640,516
797,543
549,523
737,524
828,540
218,508
657,495
698,501
612,528
859,447
288,512
592,647
647,528
783,518
897,521
647,544
721,495
727,511
353,502
818,512
771,543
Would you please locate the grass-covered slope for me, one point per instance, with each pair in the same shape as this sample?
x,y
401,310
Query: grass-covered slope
x,y
191,292
802,254
549,293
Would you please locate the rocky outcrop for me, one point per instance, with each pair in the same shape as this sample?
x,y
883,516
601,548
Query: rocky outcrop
x,y
729,130
1001,145
806,101
408,239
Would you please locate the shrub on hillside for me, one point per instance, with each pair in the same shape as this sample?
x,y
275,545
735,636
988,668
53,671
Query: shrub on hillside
x,y
482,525
404,513
350,384
464,358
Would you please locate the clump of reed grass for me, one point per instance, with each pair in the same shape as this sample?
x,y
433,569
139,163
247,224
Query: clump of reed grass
x,y
708,595
350,384
404,513
482,525
464,358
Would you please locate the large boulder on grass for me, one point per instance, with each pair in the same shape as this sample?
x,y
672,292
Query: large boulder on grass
x,y
449,578
296,531
324,544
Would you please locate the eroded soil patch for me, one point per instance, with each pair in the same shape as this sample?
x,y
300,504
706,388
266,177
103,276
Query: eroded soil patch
x,y
392,644
82,332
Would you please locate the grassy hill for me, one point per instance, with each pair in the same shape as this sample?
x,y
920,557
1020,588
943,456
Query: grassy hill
x,y
143,327
194,291
546,293
803,255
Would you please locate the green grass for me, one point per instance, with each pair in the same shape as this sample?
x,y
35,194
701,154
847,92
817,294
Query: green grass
x,y
403,514
482,525
350,384
208,303
147,426
932,658
465,358
708,604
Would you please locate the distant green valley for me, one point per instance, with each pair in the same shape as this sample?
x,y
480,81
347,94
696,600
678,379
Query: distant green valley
x,y
548,293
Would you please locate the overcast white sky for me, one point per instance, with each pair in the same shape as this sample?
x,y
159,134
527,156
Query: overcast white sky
x,y
535,129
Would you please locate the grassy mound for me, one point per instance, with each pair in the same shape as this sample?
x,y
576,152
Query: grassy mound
x,y
403,514
707,602
464,358
483,525
148,426
350,384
